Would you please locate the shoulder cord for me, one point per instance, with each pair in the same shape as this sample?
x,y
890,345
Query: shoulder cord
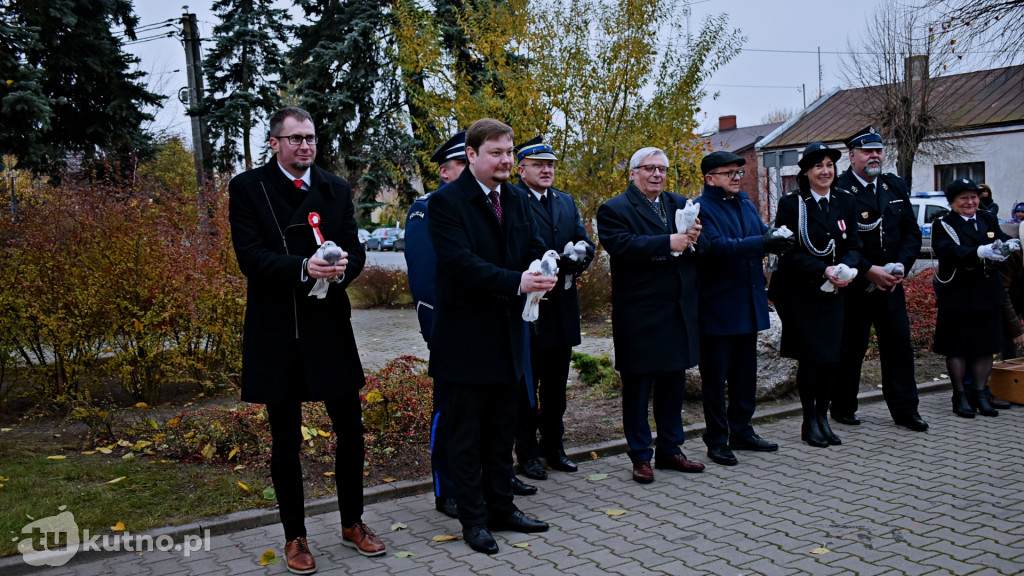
x,y
829,249
956,239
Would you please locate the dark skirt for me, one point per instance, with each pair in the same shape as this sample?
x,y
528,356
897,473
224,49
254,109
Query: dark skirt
x,y
968,332
811,336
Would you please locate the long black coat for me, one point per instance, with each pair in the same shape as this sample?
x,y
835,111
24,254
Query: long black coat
x,y
812,320
558,323
896,239
966,282
479,333
271,240
654,294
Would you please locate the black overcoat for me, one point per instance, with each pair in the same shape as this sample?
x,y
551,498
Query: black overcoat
x,y
654,294
964,281
479,333
271,240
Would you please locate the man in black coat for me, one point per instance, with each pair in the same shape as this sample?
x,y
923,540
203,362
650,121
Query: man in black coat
x,y
298,347
890,234
654,310
557,329
484,238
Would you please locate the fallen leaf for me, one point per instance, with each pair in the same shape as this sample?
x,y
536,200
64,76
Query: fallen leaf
x,y
403,554
88,452
324,434
239,467
142,405
593,455
29,517
821,550
209,451
269,557
365,473
4,479
105,450
596,477
444,538
614,512
389,479
398,526
119,527
6,429
329,474
306,434
233,452
152,423
116,480
128,456
521,545
57,457
1,485
124,443
141,444
269,493
243,486
173,422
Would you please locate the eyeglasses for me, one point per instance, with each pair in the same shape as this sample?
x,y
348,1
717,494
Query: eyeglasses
x,y
298,139
730,174
653,168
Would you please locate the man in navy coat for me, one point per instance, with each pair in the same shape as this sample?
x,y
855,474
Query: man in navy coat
x,y
485,238
297,347
557,329
733,306
654,310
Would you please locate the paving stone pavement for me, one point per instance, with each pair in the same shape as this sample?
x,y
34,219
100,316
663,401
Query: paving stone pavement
x,y
888,501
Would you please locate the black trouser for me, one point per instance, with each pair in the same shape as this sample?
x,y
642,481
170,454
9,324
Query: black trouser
x,y
439,434
285,421
731,358
481,430
899,387
550,368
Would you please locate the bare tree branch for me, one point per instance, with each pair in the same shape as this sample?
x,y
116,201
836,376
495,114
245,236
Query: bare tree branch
x,y
994,27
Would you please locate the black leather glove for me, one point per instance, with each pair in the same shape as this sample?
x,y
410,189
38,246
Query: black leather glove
x,y
777,244
568,266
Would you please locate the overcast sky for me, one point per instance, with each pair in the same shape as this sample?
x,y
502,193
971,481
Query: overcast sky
x,y
778,60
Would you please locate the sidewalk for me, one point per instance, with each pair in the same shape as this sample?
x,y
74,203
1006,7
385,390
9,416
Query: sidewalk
x,y
888,501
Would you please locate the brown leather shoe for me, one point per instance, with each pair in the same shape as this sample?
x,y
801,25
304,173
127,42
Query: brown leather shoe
x,y
299,558
642,472
679,463
362,539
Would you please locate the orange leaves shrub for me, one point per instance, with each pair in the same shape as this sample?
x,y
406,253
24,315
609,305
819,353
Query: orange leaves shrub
x,y
381,287
921,309
595,288
397,403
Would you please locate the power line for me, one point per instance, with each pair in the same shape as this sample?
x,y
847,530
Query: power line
x,y
152,38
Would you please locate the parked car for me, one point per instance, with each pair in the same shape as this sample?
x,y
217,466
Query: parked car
x,y
928,207
364,237
399,244
383,238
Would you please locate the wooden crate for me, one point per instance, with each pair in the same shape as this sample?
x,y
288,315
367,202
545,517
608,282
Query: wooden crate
x,y
1007,381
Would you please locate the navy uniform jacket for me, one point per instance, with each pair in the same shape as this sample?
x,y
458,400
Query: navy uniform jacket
x,y
271,240
897,238
964,281
559,319
654,294
421,262
479,333
732,296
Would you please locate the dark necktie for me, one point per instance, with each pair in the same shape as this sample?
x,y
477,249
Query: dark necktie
x,y
496,204
544,200
298,182
973,223
871,189
823,204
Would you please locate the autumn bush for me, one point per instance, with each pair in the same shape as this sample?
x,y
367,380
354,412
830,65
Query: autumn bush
x,y
381,287
921,309
595,288
397,402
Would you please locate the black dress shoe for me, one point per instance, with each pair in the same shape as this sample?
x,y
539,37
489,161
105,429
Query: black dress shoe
x,y
914,422
722,455
561,462
520,488
480,539
447,506
827,432
754,443
998,404
518,522
848,419
532,468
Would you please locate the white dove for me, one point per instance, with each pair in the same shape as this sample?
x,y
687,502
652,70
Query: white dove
x,y
843,273
894,268
574,252
685,219
547,266
332,253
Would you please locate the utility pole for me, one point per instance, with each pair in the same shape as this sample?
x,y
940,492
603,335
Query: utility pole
x,y
200,133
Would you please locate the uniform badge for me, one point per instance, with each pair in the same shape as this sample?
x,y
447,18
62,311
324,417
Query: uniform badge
x,y
842,227
864,215
991,234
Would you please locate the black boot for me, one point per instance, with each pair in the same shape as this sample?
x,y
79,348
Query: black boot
x,y
979,401
811,432
826,430
960,405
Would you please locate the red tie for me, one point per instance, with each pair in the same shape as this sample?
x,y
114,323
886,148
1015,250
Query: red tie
x,y
298,182
496,204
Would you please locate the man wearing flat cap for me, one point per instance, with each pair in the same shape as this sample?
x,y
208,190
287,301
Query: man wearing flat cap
x,y
557,329
892,239
733,306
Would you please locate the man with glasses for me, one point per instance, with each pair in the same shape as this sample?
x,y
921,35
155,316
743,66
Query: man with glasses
x,y
557,329
299,347
888,228
733,306
654,310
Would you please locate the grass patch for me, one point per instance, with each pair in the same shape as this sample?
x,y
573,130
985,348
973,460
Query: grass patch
x,y
597,372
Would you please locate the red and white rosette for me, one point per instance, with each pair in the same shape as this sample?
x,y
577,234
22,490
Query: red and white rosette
x,y
314,221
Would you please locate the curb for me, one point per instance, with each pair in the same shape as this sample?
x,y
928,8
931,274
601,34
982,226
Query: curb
x,y
257,518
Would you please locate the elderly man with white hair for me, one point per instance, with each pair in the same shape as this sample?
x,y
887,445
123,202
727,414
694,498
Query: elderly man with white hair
x,y
654,310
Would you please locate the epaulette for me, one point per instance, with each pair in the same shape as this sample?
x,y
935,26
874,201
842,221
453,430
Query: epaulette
x,y
843,190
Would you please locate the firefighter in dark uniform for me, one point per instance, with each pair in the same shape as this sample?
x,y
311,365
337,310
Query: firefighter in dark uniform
x,y
890,234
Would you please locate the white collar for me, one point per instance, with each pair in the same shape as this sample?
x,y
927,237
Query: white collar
x,y
305,177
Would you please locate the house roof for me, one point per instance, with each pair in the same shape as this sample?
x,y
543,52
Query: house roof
x,y
739,140
963,101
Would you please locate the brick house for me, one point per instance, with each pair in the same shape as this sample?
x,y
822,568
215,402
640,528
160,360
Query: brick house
x,y
741,141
